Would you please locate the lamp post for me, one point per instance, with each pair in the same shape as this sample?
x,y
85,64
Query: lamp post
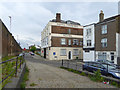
x,y
10,21
10,37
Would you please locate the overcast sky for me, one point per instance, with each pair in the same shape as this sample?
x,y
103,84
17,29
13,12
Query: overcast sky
x,y
30,18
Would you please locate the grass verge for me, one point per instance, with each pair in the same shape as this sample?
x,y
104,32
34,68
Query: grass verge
x,y
25,78
8,67
96,77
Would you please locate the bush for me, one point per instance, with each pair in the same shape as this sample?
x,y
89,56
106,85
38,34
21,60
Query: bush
x,y
97,76
83,74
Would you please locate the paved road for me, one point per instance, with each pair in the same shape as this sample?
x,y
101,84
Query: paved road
x,y
47,76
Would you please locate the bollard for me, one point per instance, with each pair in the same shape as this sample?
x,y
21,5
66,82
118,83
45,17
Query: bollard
x,y
20,61
62,62
76,66
68,64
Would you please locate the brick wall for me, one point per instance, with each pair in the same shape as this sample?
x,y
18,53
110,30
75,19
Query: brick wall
x,y
9,44
64,30
56,42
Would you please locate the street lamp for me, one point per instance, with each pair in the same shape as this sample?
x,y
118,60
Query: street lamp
x,y
10,37
10,22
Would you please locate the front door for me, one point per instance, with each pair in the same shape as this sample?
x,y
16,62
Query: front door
x,y
44,52
69,55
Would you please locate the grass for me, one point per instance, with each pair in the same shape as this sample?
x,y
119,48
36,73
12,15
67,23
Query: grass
x,y
33,84
25,78
8,67
96,77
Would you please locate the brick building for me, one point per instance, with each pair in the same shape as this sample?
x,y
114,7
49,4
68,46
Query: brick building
x,y
62,40
8,45
107,38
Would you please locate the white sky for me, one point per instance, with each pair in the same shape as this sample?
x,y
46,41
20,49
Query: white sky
x,y
29,18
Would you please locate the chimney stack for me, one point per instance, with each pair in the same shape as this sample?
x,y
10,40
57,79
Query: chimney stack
x,y
101,16
58,17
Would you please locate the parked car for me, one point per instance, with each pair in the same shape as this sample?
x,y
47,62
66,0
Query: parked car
x,y
32,53
108,70
108,62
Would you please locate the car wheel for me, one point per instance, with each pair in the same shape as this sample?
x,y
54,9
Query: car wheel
x,y
110,75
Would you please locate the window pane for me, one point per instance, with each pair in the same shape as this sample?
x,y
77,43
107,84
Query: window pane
x,y
69,42
76,52
75,42
63,52
63,41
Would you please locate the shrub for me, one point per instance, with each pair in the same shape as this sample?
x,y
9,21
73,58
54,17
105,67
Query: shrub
x,y
83,74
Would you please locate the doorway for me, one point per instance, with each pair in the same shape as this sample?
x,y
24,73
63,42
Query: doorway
x,y
69,55
44,52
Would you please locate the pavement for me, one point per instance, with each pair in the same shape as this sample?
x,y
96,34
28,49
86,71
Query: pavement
x,y
45,74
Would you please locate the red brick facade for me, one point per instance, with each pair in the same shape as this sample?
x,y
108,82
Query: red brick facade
x,y
64,30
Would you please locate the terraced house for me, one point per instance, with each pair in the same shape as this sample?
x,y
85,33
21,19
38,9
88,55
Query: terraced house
x,y
62,40
107,38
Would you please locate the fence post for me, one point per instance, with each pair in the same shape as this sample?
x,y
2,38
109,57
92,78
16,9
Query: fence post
x,y
16,66
76,65
107,68
62,62
23,57
20,61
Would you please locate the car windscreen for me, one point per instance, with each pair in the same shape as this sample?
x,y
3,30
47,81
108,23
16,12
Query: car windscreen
x,y
110,67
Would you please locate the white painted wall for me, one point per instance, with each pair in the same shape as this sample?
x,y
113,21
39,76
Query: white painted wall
x,y
88,56
59,57
89,37
108,55
118,44
0,40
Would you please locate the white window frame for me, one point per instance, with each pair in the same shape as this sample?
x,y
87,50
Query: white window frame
x,y
63,41
88,31
63,52
69,42
104,29
75,52
104,42
69,31
75,42
89,43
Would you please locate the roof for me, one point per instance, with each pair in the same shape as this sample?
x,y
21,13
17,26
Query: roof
x,y
89,24
108,19
66,22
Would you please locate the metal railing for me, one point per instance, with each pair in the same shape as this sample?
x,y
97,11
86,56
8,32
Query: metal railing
x,y
16,59
78,65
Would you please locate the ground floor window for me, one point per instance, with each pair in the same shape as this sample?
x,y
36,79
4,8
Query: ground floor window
x,y
112,56
63,52
75,52
102,56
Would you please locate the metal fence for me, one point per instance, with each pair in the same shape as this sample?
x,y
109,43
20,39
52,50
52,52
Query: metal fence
x,y
18,62
78,65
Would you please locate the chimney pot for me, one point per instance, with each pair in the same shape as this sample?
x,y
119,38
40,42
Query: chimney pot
x,y
58,17
101,16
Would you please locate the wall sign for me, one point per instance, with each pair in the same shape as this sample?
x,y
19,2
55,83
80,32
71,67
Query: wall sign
x,y
54,53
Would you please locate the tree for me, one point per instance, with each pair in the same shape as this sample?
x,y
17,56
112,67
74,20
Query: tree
x,y
33,48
